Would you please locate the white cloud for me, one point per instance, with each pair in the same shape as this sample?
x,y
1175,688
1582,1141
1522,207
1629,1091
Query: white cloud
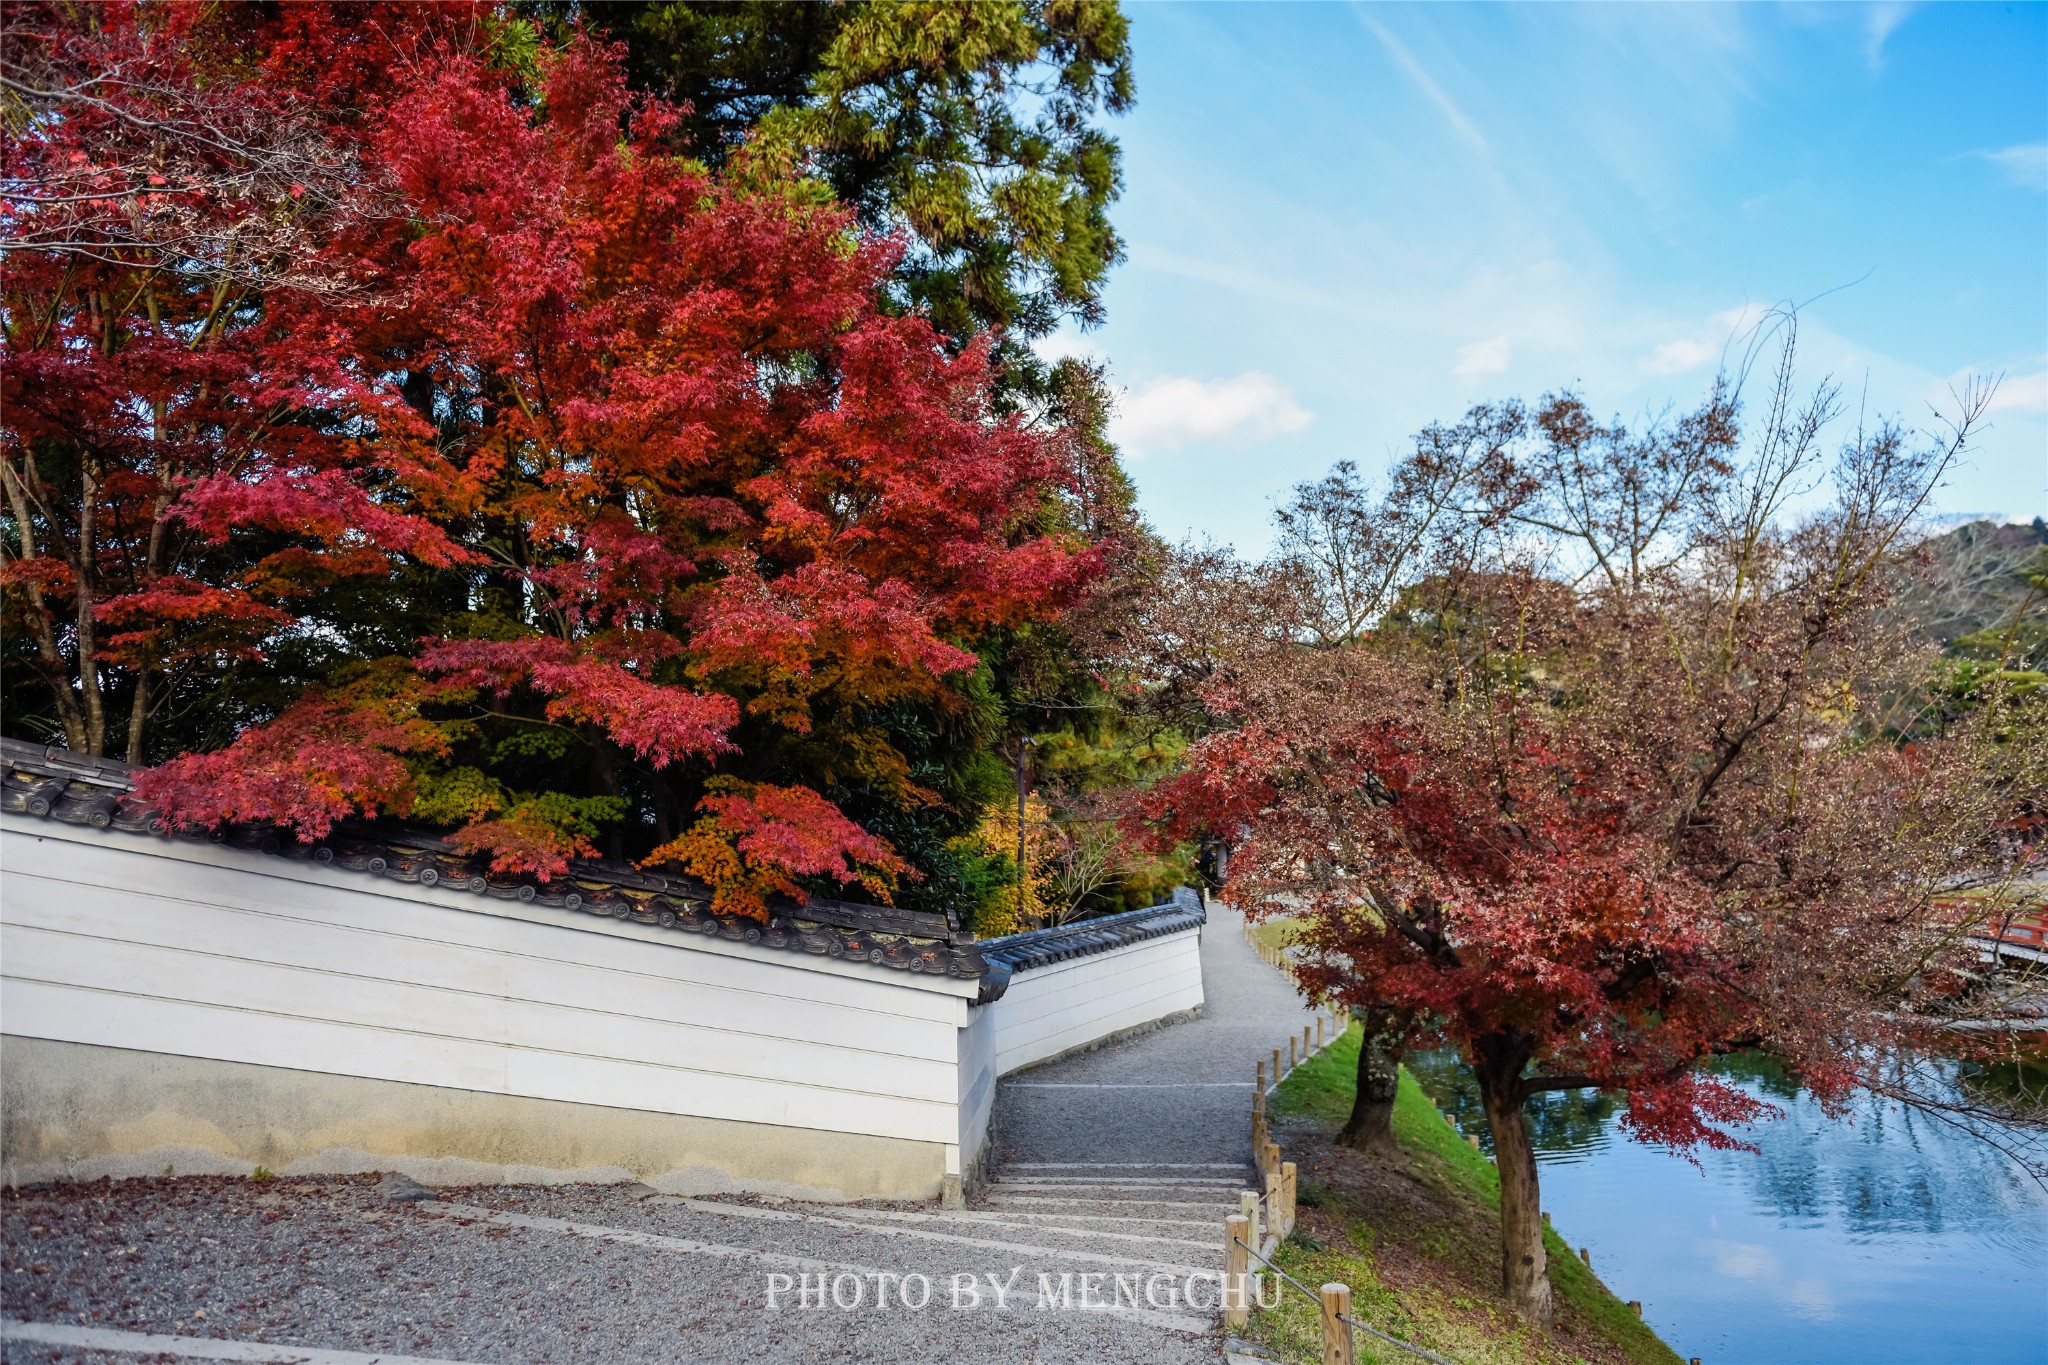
x,y
1169,413
1676,357
2025,393
2026,165
1482,358
1719,337
1811,1299
2021,393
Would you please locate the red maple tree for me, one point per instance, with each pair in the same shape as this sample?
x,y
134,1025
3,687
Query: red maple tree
x,y
1604,782
712,508
192,444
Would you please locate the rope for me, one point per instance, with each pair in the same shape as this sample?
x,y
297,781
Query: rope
x,y
1317,1299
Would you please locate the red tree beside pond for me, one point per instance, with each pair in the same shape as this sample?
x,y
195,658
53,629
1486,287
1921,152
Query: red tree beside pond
x,y
1604,780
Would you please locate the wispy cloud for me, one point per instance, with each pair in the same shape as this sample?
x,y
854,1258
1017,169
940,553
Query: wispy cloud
x,y
2026,165
1405,59
1483,358
1169,413
1879,21
1741,1260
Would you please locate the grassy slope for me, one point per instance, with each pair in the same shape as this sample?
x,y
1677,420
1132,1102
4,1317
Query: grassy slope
x,y
1419,1244
1274,933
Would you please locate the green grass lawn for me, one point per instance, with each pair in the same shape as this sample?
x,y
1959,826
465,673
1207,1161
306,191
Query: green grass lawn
x,y
1275,933
1417,1241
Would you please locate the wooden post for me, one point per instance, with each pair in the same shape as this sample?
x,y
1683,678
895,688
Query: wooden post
x,y
1237,1294
1473,1138
1277,1072
1273,1157
1319,1033
1304,1041
1586,1256
1260,1076
1248,1205
1636,1306
1291,1061
1336,1331
1273,1223
1287,1195
1546,1218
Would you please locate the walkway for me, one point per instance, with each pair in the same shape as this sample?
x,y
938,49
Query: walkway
x,y
1115,1170
1181,1094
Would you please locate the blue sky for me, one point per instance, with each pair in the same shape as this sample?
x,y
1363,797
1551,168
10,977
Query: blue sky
x,y
1346,221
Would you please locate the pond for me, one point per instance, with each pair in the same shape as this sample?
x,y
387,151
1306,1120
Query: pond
x,y
1887,1236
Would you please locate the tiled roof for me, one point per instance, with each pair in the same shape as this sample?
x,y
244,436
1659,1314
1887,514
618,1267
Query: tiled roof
x,y
1043,947
56,784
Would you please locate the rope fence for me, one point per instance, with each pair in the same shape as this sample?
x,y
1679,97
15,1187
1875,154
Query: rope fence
x,y
1335,1301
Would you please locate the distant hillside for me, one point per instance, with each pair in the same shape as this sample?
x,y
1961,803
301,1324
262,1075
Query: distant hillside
x,y
1974,578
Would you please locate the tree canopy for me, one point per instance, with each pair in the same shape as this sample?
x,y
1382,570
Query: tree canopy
x,y
1583,750
503,468
970,127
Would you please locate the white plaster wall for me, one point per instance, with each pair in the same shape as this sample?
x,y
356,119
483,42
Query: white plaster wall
x,y
129,942
1054,1009
977,1082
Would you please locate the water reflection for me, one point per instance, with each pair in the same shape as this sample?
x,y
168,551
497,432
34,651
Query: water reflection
x,y
1885,1235
1565,1125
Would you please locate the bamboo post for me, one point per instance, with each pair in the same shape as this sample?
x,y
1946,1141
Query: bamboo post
x,y
1236,1288
1248,1205
1336,1331
1287,1196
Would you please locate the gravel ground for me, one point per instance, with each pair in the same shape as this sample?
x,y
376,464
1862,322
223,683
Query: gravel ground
x,y
374,1266
334,1264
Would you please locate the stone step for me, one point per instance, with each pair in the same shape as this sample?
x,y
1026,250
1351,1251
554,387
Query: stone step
x,y
1227,1166
1088,1230
1133,1221
1135,1182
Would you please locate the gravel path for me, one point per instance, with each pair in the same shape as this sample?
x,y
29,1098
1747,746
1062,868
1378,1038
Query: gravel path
x,y
1104,1215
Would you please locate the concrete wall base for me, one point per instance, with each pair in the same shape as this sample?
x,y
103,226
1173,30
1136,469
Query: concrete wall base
x,y
1112,1039
73,1111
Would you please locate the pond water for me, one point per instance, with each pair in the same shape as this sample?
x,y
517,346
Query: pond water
x,y
1887,1236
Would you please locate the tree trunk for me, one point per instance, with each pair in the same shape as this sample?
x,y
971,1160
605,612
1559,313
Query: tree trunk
x,y
1525,1278
1371,1125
